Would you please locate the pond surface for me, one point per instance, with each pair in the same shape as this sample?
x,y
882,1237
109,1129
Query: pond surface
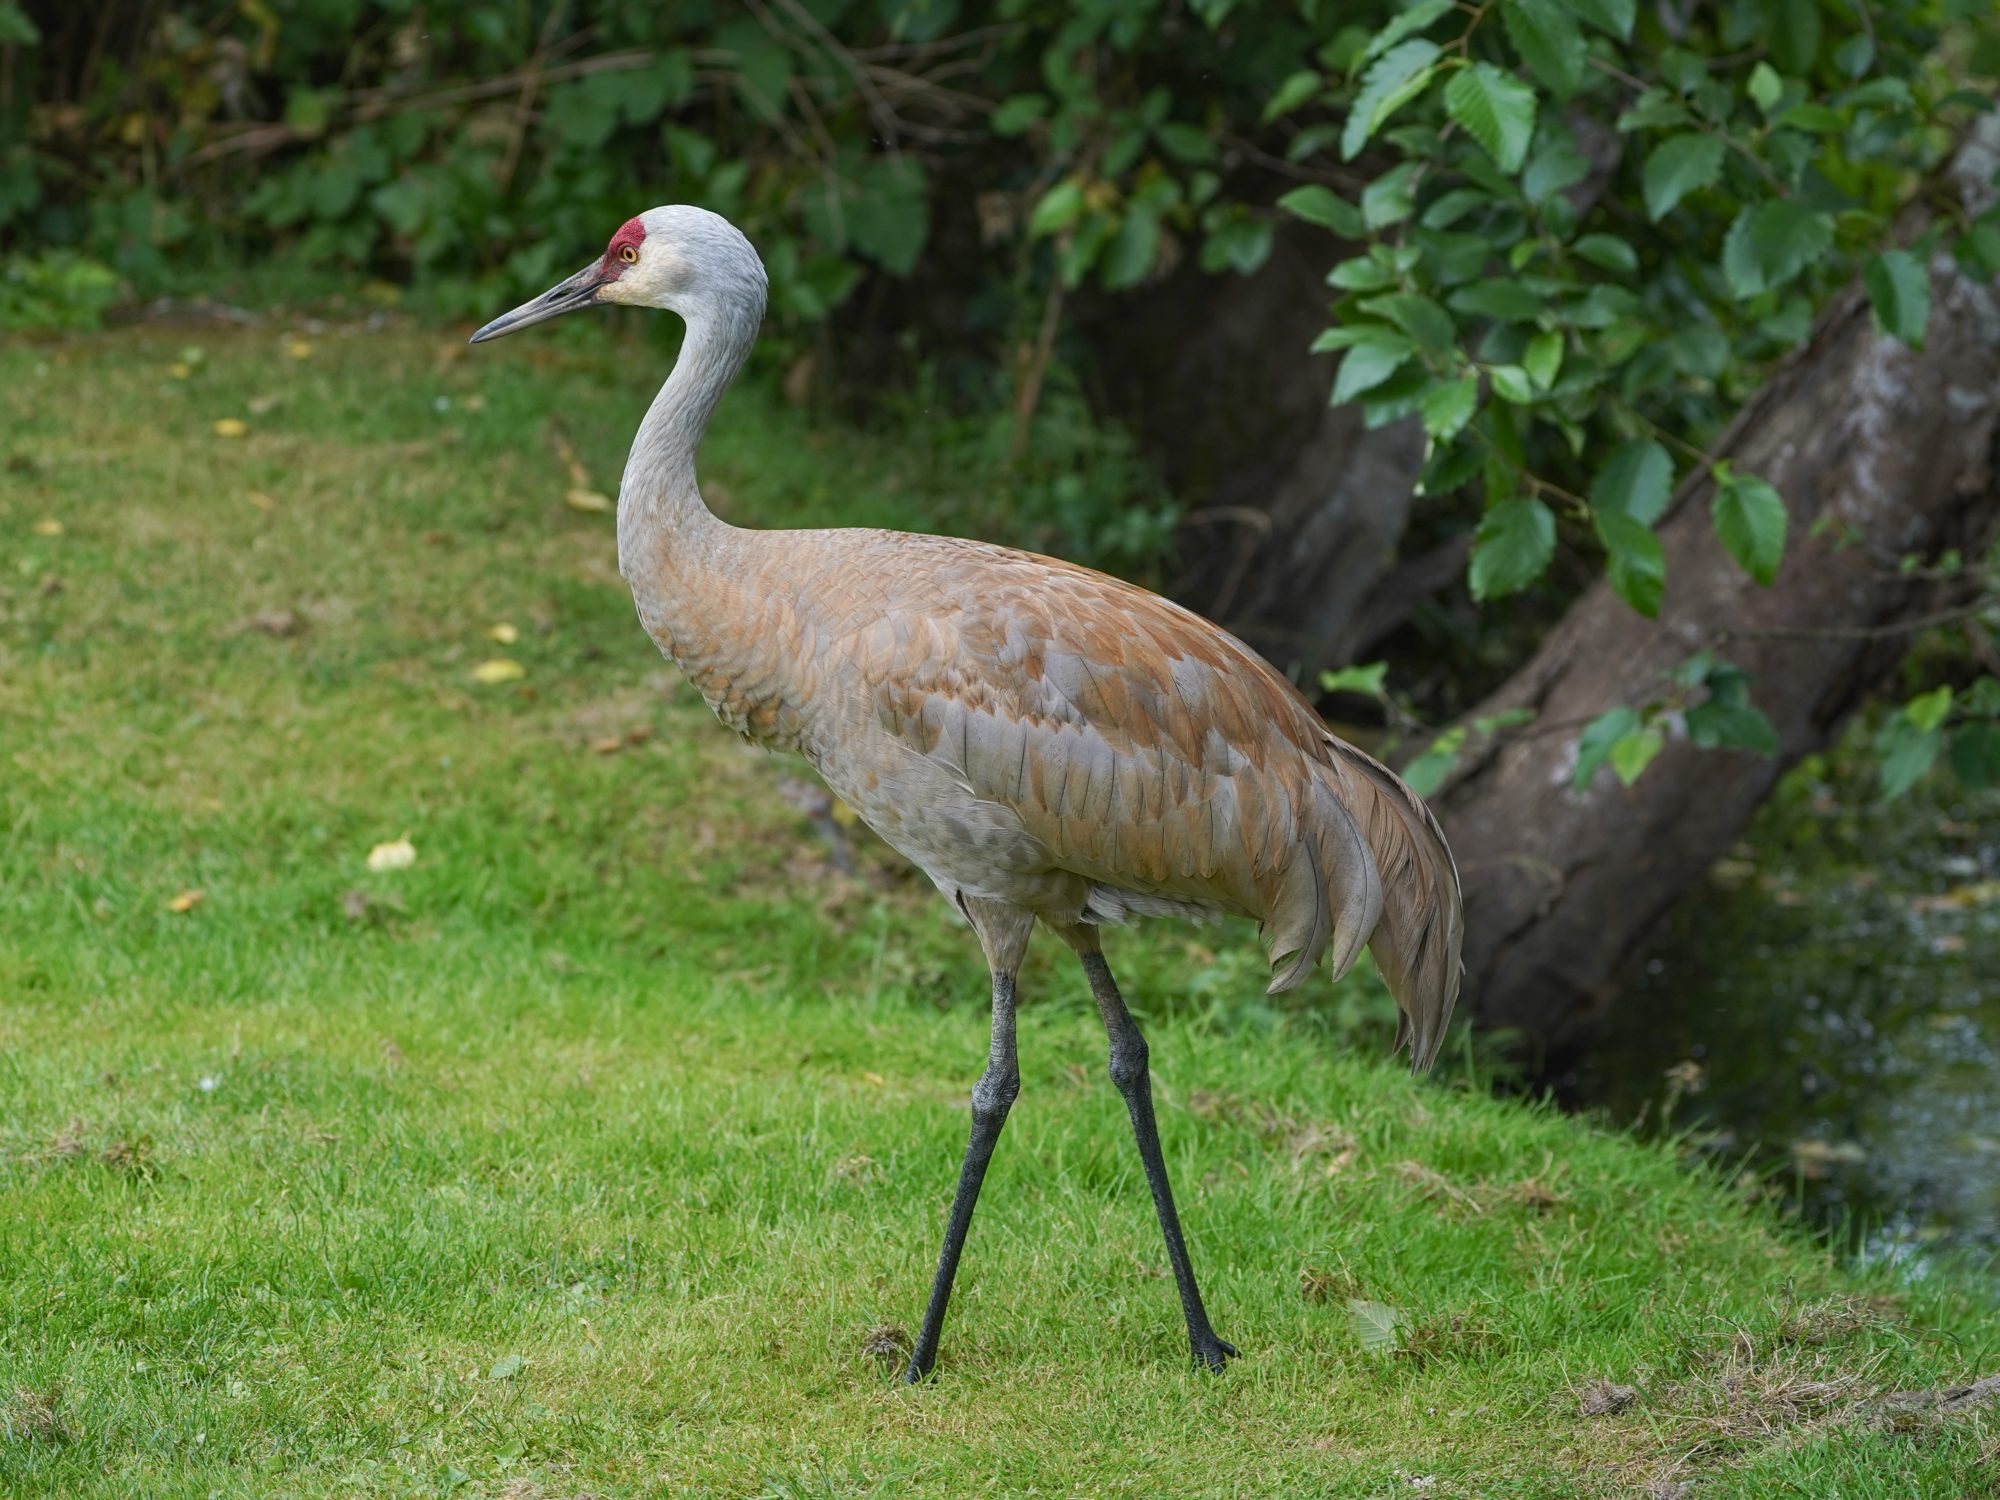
x,y
1827,1013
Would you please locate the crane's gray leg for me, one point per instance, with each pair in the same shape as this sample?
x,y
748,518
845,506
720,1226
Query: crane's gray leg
x,y
1004,935
1133,1077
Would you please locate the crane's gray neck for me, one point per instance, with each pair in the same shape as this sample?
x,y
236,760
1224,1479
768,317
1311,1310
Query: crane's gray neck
x,y
661,514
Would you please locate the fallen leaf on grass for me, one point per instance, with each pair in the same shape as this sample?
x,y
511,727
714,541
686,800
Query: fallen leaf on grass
x,y
180,369
298,349
1376,1324
187,901
48,526
875,1078
279,623
589,501
264,405
231,427
499,669
610,745
261,500
1601,1398
397,854
506,1367
502,632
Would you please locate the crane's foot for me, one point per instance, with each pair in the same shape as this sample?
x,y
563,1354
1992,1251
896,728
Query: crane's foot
x,y
1213,1354
917,1373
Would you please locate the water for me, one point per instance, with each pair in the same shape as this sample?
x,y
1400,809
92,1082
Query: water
x,y
1827,1011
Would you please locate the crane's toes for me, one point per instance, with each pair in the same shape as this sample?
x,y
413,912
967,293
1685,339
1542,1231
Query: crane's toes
x,y
1213,1354
916,1374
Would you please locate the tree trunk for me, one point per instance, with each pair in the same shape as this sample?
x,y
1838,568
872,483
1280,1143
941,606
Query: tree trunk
x,y
1880,451
1295,508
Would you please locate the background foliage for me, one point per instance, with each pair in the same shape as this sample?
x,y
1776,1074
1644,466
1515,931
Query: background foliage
x,y
1581,231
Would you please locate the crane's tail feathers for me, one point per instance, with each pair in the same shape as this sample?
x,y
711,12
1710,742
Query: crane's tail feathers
x,y
1381,874
1334,902
1417,946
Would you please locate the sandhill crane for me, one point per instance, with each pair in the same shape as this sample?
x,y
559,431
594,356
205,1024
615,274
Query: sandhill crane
x,y
1043,741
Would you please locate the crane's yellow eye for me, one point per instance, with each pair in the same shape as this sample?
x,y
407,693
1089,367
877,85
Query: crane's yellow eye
x,y
628,255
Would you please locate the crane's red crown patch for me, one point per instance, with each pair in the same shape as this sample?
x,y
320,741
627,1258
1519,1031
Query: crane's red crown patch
x,y
632,233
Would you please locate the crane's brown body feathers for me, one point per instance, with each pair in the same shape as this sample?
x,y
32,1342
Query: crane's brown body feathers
x,y
1033,732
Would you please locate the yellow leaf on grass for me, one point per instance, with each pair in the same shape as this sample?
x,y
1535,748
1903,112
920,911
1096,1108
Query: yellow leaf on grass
x,y
587,500
397,854
498,670
262,501
298,349
231,427
875,1078
610,745
180,369
48,526
502,632
186,901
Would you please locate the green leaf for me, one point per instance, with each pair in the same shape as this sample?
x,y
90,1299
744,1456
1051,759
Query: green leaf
x,y
1410,21
1368,365
1614,16
1556,166
1496,110
1428,771
1391,198
1719,725
1794,31
1016,113
1363,273
1634,752
1929,710
1512,547
1323,206
1637,563
1593,746
1509,301
1975,754
1635,481
1294,91
1448,405
1678,166
1750,520
1899,289
1765,87
1855,55
1607,251
1369,681
1392,80
506,1367
1377,1325
1418,316
1548,41
1770,243
1543,358
1511,384
1186,143
1132,251
1060,207
16,29
1907,753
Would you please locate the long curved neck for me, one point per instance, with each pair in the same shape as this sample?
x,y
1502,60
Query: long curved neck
x,y
660,510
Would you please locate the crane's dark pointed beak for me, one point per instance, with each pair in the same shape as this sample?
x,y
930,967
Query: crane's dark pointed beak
x,y
579,291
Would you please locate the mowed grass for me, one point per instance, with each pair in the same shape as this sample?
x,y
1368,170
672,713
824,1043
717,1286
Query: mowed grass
x,y
597,1151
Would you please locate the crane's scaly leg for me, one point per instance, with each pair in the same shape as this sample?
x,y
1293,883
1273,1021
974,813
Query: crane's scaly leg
x,y
1005,940
1133,1077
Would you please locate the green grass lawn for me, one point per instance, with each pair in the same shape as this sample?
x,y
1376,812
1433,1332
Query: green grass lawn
x,y
594,1152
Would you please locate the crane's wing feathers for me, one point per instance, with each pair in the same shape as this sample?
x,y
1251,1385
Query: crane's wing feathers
x,y
1154,754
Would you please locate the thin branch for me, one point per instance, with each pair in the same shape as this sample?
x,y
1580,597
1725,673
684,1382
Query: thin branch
x,y
1861,632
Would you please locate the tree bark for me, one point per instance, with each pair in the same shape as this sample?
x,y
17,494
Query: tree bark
x,y
1880,451
1295,509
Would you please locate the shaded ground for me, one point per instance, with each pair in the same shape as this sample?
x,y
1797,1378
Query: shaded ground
x,y
603,1147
